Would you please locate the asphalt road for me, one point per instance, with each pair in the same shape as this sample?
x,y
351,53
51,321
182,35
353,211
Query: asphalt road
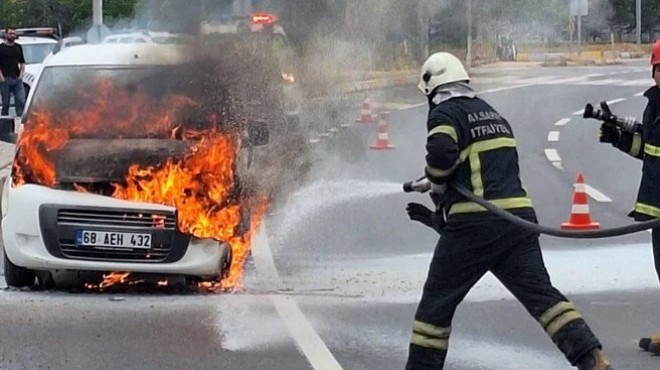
x,y
338,270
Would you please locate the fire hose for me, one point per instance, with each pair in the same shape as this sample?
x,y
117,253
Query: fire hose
x,y
423,185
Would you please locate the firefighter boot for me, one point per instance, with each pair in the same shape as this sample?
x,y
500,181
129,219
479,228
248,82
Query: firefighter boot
x,y
645,343
594,360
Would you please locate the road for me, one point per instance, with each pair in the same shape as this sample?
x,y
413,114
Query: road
x,y
338,270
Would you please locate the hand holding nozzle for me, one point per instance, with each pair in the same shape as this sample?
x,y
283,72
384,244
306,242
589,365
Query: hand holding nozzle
x,y
628,124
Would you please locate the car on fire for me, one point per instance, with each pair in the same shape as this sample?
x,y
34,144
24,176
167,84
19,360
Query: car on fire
x,y
96,115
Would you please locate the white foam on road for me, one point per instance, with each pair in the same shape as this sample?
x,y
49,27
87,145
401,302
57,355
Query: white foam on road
x,y
470,353
400,279
307,339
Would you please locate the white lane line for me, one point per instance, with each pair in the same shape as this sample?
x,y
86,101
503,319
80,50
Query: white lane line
x,y
558,166
498,89
562,122
616,101
641,93
488,91
302,331
552,155
596,195
553,136
579,113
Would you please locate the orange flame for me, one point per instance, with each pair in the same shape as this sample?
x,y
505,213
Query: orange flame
x,y
201,185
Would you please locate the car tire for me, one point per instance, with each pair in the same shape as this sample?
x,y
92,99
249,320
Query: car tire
x,y
17,277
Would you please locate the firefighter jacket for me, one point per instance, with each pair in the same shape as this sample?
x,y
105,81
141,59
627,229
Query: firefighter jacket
x,y
470,144
646,146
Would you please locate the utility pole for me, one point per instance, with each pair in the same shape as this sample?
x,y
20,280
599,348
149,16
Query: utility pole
x,y
97,11
468,57
638,12
98,30
579,34
423,29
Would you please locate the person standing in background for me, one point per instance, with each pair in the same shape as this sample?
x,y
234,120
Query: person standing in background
x,y
12,67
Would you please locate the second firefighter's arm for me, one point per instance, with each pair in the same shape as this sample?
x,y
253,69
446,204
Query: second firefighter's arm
x,y
631,143
442,150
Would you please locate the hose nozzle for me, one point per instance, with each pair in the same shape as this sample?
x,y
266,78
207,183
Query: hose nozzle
x,y
421,185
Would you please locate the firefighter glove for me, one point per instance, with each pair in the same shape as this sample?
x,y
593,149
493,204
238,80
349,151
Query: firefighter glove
x,y
609,134
420,213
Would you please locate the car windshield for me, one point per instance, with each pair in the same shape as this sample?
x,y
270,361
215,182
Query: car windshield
x,y
36,53
115,102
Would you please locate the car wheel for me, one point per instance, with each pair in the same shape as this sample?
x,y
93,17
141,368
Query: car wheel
x,y
16,276
45,280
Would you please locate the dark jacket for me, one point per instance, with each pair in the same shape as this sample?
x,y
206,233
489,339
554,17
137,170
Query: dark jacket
x,y
647,148
470,144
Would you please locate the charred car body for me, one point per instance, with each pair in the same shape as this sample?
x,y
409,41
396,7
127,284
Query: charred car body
x,y
104,110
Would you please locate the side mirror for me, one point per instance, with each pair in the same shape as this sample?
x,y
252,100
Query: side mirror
x,y
8,129
258,134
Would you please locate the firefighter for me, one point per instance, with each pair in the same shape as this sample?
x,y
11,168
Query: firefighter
x,y
471,144
645,146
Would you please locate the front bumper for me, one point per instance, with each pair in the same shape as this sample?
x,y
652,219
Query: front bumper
x,y
35,237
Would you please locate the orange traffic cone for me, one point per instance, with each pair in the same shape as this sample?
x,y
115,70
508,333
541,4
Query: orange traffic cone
x,y
580,217
383,140
366,114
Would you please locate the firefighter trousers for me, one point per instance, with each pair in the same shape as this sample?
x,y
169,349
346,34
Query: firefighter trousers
x,y
466,251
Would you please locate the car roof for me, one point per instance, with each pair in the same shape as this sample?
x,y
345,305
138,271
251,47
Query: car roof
x,y
121,55
31,40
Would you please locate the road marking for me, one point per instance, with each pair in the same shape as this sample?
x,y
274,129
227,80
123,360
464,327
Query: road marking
x,y
498,89
600,82
579,113
616,101
302,331
553,136
558,166
552,155
596,195
641,93
562,122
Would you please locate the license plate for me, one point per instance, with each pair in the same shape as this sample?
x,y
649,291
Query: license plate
x,y
107,239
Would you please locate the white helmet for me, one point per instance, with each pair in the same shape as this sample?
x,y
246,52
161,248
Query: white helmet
x,y
440,69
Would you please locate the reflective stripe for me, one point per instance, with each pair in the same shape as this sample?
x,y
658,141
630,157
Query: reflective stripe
x,y
652,150
475,178
431,330
636,147
647,210
436,172
473,152
444,129
425,342
506,203
554,311
561,321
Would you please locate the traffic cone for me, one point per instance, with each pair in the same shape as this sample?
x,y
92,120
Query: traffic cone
x,y
366,113
383,139
580,217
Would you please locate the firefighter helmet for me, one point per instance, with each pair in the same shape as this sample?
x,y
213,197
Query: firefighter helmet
x,y
440,69
655,53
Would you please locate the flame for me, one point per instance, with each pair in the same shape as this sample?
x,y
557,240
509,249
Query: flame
x,y
201,185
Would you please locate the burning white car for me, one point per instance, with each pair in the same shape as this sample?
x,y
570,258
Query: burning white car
x,y
120,169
